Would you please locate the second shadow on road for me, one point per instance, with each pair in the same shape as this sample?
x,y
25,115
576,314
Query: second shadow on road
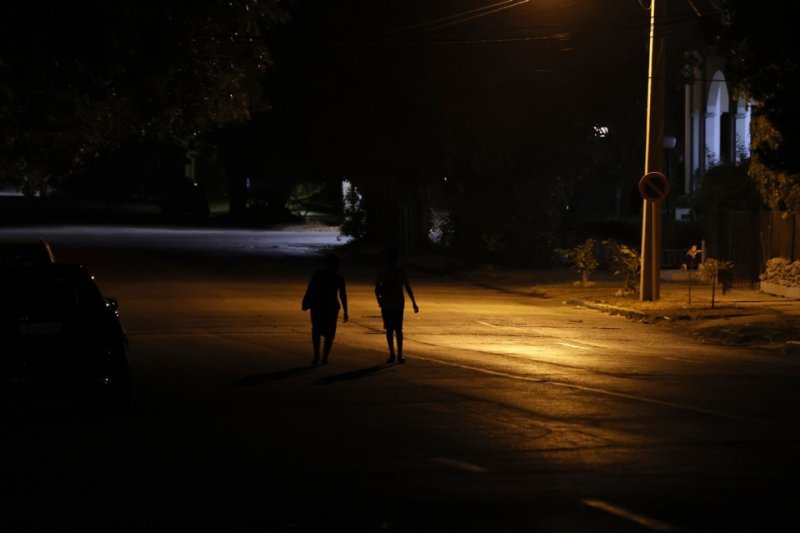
x,y
257,379
354,374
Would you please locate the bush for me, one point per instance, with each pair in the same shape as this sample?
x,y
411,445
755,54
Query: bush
x,y
584,258
626,262
715,271
781,271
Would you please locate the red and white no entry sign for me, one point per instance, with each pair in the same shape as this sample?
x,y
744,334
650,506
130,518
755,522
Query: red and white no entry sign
x,y
654,186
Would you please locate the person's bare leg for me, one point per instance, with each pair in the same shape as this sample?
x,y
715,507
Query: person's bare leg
x,y
315,343
326,350
390,342
400,358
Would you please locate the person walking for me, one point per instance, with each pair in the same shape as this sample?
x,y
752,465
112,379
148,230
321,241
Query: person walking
x,y
389,285
324,292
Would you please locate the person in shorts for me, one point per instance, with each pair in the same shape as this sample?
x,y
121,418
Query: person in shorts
x,y
324,292
390,283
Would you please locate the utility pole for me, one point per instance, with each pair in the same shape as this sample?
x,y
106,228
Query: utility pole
x,y
650,276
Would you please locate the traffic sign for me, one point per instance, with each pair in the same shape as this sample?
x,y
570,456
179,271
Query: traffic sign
x,y
654,186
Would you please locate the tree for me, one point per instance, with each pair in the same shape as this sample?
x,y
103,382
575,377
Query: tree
x,y
714,271
625,261
614,148
765,65
584,258
78,78
506,201
728,186
483,107
780,189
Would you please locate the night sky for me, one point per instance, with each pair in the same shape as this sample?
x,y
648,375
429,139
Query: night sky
x,y
510,69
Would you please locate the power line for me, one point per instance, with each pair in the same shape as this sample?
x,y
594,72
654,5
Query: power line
x,y
555,37
673,21
407,36
449,17
460,18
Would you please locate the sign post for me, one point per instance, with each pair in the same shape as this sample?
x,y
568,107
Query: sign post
x,y
655,187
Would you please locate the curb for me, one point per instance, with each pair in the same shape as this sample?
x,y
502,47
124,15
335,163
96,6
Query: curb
x,y
791,347
612,310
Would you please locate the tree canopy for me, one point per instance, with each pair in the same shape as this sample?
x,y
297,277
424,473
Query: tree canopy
x,y
764,63
77,78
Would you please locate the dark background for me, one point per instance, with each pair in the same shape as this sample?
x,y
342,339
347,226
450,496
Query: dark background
x,y
506,128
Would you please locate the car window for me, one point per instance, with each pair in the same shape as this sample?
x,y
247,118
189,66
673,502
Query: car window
x,y
53,298
40,301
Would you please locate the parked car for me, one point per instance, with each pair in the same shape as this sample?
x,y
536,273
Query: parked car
x,y
25,251
59,333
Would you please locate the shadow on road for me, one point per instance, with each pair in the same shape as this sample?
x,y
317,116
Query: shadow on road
x,y
257,379
354,374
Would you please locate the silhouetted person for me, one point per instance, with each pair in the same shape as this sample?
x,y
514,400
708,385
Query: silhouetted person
x,y
325,289
725,279
389,285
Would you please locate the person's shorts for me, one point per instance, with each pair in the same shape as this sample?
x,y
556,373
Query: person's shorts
x,y
323,322
392,318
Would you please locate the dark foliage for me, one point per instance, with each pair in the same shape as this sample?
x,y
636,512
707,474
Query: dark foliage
x,y
727,187
764,61
80,78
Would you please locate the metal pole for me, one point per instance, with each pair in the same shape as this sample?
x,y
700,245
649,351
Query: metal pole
x,y
654,156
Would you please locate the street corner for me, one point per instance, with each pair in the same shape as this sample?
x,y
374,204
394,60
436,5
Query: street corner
x,y
792,347
611,309
755,329
745,322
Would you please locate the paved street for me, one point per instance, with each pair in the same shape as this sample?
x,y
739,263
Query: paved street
x,y
515,411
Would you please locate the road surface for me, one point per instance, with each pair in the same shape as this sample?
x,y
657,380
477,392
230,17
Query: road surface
x,y
513,412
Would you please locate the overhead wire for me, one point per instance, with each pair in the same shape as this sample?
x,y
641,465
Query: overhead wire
x,y
429,26
469,15
405,36
694,8
460,18
674,20
465,16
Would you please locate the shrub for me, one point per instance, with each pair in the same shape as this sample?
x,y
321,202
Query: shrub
x,y
626,262
583,257
781,271
710,271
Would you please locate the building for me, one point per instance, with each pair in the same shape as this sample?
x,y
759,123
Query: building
x,y
716,121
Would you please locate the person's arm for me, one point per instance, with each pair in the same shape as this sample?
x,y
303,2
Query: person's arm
x,y
378,289
343,298
410,293
308,296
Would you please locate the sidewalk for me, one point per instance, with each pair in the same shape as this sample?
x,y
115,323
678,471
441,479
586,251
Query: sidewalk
x,y
744,316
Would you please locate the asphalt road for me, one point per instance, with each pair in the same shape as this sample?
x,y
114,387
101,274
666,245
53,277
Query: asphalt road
x,y
513,412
